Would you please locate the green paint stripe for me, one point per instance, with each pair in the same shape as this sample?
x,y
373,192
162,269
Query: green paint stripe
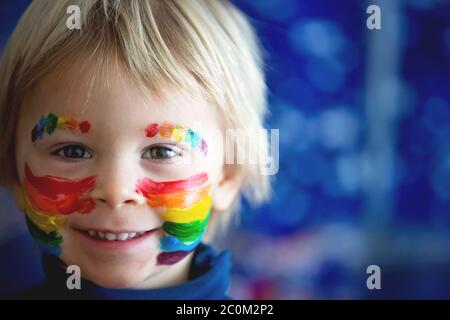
x,y
186,231
53,238
51,123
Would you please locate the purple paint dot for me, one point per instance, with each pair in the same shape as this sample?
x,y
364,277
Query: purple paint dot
x,y
34,134
169,258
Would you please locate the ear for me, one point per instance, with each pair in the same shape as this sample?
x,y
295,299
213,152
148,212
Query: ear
x,y
227,188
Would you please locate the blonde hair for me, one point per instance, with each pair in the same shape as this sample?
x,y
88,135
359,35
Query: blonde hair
x,y
159,42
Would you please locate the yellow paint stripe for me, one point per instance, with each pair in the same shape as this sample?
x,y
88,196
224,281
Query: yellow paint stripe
x,y
198,211
44,222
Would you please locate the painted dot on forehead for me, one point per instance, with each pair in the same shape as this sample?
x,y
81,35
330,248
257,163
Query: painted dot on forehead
x,y
51,122
152,130
178,133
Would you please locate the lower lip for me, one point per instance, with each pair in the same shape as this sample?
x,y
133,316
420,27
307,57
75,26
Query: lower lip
x,y
117,244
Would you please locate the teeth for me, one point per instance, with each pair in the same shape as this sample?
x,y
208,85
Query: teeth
x,y
110,236
115,236
122,236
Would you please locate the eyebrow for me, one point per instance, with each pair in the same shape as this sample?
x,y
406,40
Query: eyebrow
x,y
51,122
177,133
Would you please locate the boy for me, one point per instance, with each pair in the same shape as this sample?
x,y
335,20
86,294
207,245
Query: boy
x,y
97,126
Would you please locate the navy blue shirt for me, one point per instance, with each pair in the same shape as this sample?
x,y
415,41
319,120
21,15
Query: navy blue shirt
x,y
208,279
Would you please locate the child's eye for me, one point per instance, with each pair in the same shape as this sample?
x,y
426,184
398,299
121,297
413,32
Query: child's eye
x,y
160,153
73,152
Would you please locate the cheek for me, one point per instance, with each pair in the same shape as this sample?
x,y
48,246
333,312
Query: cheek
x,y
186,210
185,227
181,199
58,196
175,195
48,200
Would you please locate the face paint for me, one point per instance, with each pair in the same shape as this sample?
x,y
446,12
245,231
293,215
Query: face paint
x,y
51,122
174,194
48,199
179,134
188,205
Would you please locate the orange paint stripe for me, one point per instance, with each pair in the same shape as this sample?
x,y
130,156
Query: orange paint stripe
x,y
182,199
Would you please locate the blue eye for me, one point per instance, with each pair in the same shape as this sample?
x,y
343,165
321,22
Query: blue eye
x,y
73,152
160,153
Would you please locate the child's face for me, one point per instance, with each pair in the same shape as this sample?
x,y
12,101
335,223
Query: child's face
x,y
111,165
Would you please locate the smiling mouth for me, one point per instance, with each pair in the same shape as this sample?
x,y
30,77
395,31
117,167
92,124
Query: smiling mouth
x,y
110,236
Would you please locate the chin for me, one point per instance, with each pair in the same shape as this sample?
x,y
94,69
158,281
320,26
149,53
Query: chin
x,y
116,273
115,278
117,281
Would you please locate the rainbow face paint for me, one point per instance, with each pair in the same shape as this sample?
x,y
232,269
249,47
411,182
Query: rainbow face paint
x,y
179,134
48,199
174,194
51,122
187,205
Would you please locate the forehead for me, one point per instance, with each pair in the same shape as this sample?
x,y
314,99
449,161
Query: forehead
x,y
106,94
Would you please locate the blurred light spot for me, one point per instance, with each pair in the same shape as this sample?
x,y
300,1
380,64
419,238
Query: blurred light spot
x,y
312,167
348,172
312,129
332,188
319,38
339,129
422,4
394,89
441,179
351,247
436,116
296,90
291,123
326,75
275,9
291,209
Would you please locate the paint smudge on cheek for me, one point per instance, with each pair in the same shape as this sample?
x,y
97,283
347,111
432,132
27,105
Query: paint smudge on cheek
x,y
48,199
187,205
174,194
169,258
55,195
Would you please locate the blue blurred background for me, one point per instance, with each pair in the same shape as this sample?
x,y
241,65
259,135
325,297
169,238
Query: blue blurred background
x,y
364,177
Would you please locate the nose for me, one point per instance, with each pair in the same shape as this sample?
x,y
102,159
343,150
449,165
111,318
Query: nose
x,y
116,187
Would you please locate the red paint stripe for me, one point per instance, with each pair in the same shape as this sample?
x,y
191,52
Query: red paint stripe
x,y
56,195
51,186
147,186
64,205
